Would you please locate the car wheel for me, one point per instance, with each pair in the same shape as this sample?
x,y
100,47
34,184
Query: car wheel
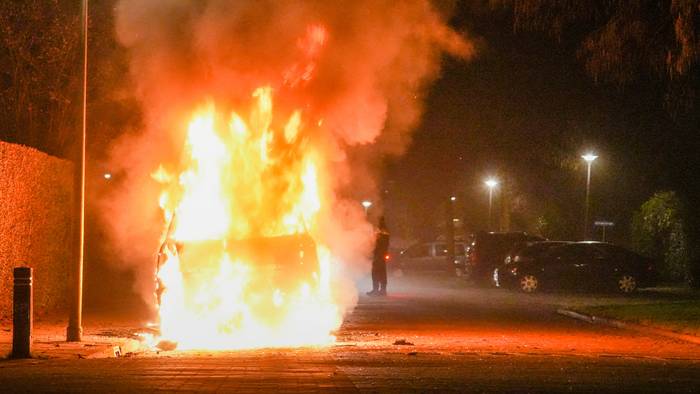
x,y
626,284
529,283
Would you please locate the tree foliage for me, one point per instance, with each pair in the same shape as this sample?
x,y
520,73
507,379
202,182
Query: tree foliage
x,y
624,40
658,230
39,72
41,76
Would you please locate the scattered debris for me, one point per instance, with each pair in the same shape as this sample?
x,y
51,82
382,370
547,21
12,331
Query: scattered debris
x,y
117,350
403,342
166,345
81,356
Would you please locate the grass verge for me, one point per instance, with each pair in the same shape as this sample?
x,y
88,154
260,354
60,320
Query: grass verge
x,y
678,316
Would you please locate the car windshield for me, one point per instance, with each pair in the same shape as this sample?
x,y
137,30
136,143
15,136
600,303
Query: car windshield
x,y
418,250
618,251
541,247
532,250
441,249
577,251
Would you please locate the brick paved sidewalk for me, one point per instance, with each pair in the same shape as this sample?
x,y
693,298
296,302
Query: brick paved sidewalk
x,y
102,338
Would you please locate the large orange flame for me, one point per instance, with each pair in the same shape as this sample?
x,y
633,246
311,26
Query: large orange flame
x,y
241,265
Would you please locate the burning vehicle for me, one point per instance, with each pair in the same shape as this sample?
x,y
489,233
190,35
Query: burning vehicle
x,y
262,125
280,264
240,264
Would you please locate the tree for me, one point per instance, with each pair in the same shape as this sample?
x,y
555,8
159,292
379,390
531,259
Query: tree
x,y
624,40
41,76
39,89
658,231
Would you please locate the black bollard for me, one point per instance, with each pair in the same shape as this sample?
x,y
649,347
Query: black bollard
x,y
22,313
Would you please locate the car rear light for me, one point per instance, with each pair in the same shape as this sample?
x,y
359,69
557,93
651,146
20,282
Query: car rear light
x,y
387,257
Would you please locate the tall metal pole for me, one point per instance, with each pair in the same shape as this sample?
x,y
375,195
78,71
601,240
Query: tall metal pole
x,y
588,194
74,332
450,233
490,206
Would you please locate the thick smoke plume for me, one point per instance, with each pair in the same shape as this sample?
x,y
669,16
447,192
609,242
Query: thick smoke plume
x,y
359,69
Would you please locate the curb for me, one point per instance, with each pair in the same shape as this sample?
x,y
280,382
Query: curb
x,y
117,349
629,326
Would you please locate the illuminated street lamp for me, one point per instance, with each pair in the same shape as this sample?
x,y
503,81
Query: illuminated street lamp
x,y
589,158
366,204
107,176
491,183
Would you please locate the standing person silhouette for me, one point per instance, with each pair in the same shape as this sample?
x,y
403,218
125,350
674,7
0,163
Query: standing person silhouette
x,y
381,247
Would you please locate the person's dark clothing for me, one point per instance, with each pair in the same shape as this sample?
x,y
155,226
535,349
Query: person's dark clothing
x,y
381,247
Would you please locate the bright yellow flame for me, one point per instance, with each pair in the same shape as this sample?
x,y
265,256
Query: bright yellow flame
x,y
243,266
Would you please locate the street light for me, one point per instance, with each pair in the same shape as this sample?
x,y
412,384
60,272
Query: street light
x,y
366,204
74,331
491,183
450,234
589,158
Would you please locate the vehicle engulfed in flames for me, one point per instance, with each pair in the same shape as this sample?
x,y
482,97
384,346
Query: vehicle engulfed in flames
x,y
242,263
280,262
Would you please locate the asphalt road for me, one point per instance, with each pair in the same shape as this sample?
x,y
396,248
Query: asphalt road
x,y
458,339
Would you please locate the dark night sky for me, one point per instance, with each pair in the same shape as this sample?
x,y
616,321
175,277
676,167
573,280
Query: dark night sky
x,y
524,101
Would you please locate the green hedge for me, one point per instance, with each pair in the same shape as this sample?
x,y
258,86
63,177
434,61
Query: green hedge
x,y
35,225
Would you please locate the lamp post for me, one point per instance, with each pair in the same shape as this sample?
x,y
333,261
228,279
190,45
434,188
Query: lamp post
x,y
589,158
450,234
74,331
491,183
366,204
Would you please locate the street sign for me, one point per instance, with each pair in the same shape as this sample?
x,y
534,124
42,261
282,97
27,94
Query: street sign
x,y
602,223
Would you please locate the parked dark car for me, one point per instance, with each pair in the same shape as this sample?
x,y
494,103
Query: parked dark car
x,y
580,264
430,256
525,253
488,250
